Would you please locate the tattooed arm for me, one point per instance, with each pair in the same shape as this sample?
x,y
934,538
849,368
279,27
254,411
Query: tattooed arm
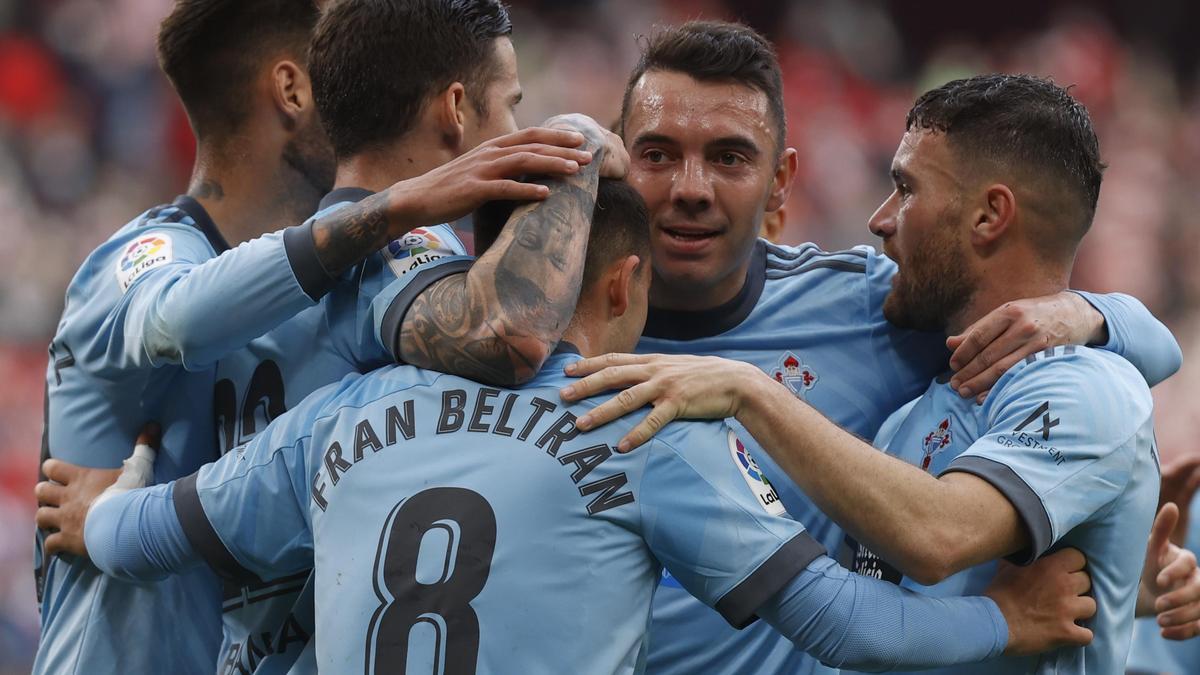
x,y
345,237
500,320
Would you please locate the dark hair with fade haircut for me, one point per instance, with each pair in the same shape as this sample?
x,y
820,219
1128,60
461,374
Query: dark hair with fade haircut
x,y
212,50
1027,124
374,63
620,227
715,51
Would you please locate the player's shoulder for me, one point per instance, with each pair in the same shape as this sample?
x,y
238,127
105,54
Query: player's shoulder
x,y
1104,385
790,263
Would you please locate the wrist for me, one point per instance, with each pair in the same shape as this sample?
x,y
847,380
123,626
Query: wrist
x,y
1095,330
752,392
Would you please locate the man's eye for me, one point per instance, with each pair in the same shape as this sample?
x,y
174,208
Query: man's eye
x,y
655,156
729,159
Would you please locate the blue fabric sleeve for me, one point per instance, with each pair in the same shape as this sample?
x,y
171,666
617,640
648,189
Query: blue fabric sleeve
x,y
855,622
193,314
1135,334
136,536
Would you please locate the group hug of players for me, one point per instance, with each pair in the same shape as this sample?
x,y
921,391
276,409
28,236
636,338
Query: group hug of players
x,y
381,454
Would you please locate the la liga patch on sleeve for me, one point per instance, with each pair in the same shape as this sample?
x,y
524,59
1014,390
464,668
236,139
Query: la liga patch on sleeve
x,y
142,255
760,487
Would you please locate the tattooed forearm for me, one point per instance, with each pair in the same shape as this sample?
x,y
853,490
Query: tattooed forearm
x,y
350,234
500,321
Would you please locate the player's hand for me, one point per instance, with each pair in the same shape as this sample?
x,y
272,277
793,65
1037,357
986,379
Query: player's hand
x,y
64,499
990,346
488,172
1180,480
1041,602
692,387
1170,585
608,145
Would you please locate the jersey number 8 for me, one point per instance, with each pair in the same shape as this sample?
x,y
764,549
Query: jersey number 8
x,y
434,556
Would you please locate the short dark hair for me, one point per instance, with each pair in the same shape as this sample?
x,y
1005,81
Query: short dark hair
x,y
374,63
620,227
715,51
1029,125
212,50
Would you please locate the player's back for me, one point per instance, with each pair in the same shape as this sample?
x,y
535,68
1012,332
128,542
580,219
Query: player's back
x,y
100,391
463,528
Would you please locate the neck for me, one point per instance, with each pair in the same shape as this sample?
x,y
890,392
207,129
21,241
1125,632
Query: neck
x,y
250,191
1006,283
685,296
378,169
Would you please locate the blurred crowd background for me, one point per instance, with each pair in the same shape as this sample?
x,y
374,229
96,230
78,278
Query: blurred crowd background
x,y
91,135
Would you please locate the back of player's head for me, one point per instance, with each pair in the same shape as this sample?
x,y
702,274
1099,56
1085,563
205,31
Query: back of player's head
x,y
620,228
1027,128
715,51
374,63
212,50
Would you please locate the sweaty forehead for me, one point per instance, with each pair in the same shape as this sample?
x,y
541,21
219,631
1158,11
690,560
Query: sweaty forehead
x,y
927,154
687,110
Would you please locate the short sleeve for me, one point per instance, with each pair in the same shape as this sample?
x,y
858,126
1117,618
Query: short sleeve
x,y
1059,439
247,513
713,520
390,306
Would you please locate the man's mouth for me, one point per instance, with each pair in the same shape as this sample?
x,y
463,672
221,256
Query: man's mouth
x,y
689,234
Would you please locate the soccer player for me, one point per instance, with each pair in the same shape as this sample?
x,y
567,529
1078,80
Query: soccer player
x,y
1061,452
147,316
704,123
485,534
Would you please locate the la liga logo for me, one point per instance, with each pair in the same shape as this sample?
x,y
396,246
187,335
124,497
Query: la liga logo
x,y
144,253
759,486
748,464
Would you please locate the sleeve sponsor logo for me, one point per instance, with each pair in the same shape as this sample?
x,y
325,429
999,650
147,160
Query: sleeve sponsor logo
x,y
760,487
1039,423
419,247
142,255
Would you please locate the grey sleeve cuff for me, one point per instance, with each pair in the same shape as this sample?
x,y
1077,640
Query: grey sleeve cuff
x,y
201,535
302,255
1027,503
393,317
740,605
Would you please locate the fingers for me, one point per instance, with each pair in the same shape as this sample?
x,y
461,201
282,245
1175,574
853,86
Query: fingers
x,y
1185,632
48,518
1079,636
49,494
625,402
651,424
975,338
613,377
989,360
514,191
1182,614
1079,582
150,435
1083,607
565,138
1068,559
53,544
596,363
59,471
1180,566
1160,532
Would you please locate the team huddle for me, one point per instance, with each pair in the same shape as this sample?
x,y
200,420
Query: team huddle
x,y
623,432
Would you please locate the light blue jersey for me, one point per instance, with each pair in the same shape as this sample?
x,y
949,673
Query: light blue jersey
x,y
1067,436
814,321
268,623
1150,653
123,355
510,541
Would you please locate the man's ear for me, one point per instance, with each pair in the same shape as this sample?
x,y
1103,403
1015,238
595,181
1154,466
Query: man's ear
x,y
450,115
785,171
621,277
291,92
994,216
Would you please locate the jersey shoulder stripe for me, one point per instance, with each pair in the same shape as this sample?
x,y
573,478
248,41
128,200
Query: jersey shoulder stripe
x,y
782,262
